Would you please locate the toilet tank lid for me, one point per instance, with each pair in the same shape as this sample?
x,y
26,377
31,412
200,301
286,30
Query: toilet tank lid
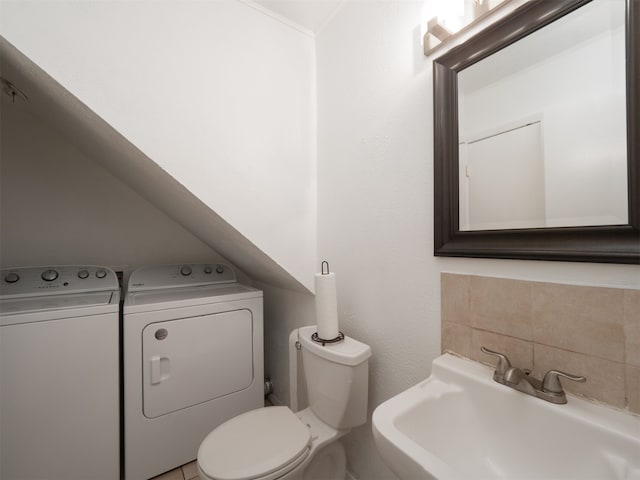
x,y
349,352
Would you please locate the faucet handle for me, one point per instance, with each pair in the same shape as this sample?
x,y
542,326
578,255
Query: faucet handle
x,y
501,367
551,381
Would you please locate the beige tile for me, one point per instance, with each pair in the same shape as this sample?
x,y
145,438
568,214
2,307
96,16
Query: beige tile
x,y
605,379
190,470
519,352
632,326
502,306
633,388
454,298
171,475
456,338
581,319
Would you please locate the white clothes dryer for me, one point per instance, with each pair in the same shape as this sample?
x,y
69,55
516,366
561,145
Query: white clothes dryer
x,y
59,373
193,358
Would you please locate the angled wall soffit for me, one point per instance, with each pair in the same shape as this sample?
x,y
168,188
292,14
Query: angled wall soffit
x,y
98,140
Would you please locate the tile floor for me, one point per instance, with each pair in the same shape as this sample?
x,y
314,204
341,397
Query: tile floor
x,y
185,472
190,470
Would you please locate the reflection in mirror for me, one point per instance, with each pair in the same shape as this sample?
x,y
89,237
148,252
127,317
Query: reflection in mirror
x,y
542,127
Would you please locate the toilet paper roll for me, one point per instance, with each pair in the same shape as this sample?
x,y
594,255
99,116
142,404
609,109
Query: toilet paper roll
x,y
326,306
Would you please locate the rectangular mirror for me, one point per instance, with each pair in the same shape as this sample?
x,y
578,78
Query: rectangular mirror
x,y
536,150
542,127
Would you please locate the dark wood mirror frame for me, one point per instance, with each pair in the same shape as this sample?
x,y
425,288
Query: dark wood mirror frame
x,y
608,244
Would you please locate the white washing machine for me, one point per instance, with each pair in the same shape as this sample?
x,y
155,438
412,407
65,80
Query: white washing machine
x,y
193,358
59,373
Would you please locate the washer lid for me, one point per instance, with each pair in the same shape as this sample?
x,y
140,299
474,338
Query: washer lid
x,y
177,297
253,444
54,302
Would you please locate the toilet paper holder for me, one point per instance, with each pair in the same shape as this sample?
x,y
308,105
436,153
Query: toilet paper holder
x,y
323,341
315,337
322,268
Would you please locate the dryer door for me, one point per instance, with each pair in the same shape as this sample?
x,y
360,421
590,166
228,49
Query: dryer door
x,y
193,360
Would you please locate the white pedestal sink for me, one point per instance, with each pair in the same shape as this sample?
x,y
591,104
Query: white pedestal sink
x,y
460,424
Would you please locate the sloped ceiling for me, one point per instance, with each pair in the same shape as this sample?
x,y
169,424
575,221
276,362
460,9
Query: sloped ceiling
x,y
90,133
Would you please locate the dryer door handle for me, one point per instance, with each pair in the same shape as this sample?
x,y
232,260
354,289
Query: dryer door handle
x,y
159,369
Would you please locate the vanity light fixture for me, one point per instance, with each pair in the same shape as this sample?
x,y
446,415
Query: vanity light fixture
x,y
445,26
436,34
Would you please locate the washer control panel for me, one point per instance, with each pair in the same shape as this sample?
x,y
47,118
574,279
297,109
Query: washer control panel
x,y
53,280
186,275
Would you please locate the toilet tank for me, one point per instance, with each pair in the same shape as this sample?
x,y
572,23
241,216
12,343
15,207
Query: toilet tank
x,y
337,378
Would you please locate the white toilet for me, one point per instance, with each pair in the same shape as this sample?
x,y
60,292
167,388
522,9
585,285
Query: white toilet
x,y
276,443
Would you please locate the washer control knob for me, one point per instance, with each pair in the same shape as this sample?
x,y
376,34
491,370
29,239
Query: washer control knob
x,y
82,274
219,269
208,270
100,273
11,277
185,270
49,275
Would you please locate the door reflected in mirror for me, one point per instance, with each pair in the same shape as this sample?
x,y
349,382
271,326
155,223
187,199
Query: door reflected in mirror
x,y
542,127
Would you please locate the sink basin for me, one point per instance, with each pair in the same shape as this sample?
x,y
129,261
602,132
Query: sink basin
x,y
460,424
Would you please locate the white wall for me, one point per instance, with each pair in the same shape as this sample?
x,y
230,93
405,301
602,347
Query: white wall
x,y
57,206
217,93
284,311
375,202
374,198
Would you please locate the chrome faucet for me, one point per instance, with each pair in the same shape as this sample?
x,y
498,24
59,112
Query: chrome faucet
x,y
549,388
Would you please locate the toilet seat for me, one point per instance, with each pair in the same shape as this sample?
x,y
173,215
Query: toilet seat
x,y
261,444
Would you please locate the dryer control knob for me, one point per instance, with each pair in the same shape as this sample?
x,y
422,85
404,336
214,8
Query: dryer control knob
x,y
11,277
49,275
208,270
220,269
82,274
185,270
101,273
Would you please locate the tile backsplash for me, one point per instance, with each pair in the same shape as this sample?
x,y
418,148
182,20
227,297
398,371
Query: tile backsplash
x,y
590,331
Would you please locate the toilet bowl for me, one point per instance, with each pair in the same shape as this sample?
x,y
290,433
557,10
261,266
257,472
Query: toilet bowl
x,y
272,443
276,443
